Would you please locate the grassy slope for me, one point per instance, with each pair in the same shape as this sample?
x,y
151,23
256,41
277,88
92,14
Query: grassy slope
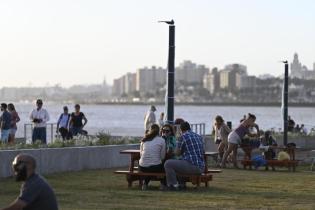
x,y
232,189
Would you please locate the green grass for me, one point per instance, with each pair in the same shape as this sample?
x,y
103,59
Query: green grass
x,y
232,189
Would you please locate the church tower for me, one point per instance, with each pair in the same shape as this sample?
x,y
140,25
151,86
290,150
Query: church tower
x,y
296,67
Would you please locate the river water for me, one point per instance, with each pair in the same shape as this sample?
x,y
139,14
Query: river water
x,y
127,120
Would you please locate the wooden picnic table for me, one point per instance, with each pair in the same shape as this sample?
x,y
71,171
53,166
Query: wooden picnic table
x,y
135,156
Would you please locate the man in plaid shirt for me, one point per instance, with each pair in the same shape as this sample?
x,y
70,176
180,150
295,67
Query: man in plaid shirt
x,y
191,149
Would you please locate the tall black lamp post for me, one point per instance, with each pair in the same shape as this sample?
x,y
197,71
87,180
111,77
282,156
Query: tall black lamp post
x,y
285,102
170,73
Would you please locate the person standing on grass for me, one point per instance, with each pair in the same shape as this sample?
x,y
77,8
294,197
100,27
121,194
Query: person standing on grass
x,y
14,119
35,194
39,117
5,123
236,136
63,124
149,118
77,121
221,132
152,153
161,119
191,148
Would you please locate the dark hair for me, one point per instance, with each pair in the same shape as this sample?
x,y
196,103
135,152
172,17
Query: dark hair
x,y
4,106
185,126
249,115
153,132
77,106
178,121
65,108
39,101
170,128
219,118
11,106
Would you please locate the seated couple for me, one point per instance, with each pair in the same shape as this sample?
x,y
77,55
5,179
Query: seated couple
x,y
159,154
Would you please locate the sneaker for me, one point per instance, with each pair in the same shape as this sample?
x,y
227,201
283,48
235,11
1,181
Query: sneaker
x,y
144,187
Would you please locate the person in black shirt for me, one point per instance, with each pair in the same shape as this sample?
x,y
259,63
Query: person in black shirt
x,y
77,121
36,193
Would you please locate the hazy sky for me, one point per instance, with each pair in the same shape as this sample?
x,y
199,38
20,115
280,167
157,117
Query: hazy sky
x,y
81,41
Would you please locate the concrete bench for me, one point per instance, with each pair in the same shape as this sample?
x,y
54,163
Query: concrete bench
x,y
132,176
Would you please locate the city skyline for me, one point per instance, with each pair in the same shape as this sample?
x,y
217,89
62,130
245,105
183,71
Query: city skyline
x,y
80,42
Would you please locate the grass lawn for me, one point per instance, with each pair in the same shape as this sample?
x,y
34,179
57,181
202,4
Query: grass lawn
x,y
232,189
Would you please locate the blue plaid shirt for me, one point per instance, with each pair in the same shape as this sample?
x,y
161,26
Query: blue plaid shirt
x,y
191,145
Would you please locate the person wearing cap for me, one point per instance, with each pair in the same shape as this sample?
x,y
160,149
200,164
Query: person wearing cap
x,y
35,193
39,117
149,118
63,124
5,123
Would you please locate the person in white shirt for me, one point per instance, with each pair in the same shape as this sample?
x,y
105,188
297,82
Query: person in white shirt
x,y
39,117
152,152
303,130
149,118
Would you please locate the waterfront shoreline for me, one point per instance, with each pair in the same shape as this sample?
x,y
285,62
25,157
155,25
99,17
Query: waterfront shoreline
x,y
275,104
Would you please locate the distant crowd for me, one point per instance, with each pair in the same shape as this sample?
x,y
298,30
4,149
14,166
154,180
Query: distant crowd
x,y
68,125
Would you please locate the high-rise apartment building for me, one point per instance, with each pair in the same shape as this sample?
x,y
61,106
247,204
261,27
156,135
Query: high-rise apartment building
x,y
150,79
230,76
211,81
190,73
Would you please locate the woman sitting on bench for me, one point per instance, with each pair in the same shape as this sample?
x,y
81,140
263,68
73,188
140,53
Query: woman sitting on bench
x,y
168,135
152,152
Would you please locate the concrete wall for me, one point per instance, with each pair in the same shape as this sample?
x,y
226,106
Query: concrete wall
x,y
52,160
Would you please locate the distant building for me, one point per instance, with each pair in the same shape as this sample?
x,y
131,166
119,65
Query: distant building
x,y
149,79
301,71
230,76
244,81
124,85
130,80
190,73
118,86
211,81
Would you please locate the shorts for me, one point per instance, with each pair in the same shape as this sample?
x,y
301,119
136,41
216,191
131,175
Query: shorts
x,y
233,138
5,135
13,131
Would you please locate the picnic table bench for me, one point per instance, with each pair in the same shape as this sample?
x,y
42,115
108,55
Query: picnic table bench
x,y
291,164
134,175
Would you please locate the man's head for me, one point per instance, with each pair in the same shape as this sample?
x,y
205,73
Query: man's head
x,y
4,107
24,166
185,126
39,103
152,108
65,109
